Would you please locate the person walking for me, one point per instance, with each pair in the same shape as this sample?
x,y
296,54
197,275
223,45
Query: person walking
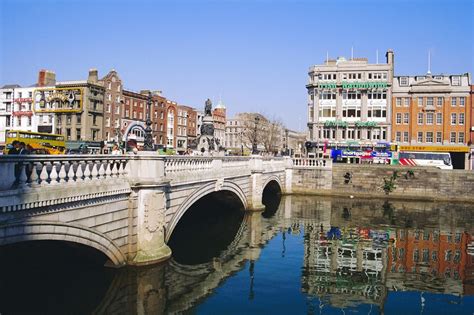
x,y
16,148
23,150
116,150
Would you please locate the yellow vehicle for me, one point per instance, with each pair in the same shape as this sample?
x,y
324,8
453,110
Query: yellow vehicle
x,y
46,142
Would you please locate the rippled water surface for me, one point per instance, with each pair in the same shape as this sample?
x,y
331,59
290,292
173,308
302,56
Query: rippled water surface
x,y
306,255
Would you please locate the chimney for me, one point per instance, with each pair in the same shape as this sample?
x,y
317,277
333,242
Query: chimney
x,y
46,78
93,76
390,57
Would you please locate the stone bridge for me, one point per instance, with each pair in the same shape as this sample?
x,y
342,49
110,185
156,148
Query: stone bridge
x,y
125,206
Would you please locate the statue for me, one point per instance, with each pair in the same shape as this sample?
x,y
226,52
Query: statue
x,y
208,108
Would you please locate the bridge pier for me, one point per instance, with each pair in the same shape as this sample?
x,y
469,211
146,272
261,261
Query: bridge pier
x,y
149,204
256,183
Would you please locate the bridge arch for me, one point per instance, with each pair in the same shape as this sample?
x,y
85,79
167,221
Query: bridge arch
x,y
50,231
198,194
272,178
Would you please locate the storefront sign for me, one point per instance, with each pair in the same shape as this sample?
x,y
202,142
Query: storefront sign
x,y
365,124
434,148
335,123
327,85
58,100
363,85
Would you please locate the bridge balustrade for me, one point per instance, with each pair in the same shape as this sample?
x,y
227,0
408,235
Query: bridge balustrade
x,y
312,163
41,171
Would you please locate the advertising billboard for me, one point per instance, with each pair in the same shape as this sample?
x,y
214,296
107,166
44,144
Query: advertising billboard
x,y
58,100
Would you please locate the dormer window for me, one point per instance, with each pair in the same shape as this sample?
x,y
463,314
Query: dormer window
x,y
455,80
403,81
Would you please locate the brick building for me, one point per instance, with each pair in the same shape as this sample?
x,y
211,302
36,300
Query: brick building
x,y
432,113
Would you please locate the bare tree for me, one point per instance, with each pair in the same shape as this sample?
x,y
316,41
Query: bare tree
x,y
272,136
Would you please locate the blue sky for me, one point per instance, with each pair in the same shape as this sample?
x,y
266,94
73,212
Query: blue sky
x,y
255,55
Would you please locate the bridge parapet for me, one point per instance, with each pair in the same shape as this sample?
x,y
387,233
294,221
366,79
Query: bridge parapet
x,y
312,163
36,181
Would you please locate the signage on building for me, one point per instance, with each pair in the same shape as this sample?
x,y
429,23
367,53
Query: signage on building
x,y
24,100
363,85
335,123
365,124
353,85
58,100
434,148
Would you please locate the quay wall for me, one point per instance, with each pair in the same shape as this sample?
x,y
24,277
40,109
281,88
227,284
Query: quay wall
x,y
424,183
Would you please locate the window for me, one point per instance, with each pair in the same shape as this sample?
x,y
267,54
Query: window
x,y
461,137
117,109
107,122
439,118
429,137
429,101
109,96
461,119
429,118
127,113
118,88
453,118
398,136
78,134
117,123
420,136
407,101
68,133
78,119
462,101
455,80
28,122
420,118
406,118
109,86
399,118
403,81
405,136
452,138
440,101
420,101
108,108
399,101
68,119
438,137
453,101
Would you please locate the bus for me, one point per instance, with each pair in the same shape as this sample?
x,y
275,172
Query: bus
x,y
440,160
39,141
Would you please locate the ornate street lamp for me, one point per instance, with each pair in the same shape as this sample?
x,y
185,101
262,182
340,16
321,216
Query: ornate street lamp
x,y
254,144
148,145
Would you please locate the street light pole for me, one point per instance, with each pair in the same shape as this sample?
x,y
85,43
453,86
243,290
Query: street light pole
x,y
254,144
148,145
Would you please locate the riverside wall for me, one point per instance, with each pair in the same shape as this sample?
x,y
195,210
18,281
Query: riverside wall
x,y
425,183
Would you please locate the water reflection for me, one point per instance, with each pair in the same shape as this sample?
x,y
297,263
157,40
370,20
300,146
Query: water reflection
x,y
315,255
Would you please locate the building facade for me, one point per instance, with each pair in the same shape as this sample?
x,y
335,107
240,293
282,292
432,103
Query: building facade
x,y
432,112
78,107
350,100
219,117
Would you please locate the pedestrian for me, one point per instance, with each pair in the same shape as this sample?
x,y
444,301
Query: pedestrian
x,y
23,150
116,150
16,148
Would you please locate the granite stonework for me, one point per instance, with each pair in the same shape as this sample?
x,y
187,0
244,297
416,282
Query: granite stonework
x,y
418,183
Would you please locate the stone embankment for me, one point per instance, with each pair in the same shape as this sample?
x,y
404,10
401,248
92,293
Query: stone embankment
x,y
397,182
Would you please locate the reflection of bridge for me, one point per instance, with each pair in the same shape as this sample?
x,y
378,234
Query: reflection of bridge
x,y
124,206
353,270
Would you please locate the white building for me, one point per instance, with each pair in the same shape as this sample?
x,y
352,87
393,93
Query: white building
x,y
17,113
350,100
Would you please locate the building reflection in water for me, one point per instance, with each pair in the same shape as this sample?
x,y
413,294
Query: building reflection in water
x,y
347,263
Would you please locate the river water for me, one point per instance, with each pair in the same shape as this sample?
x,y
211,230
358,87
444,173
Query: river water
x,y
305,255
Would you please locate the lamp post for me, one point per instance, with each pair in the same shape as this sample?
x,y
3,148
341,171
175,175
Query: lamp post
x,y
148,144
241,145
254,144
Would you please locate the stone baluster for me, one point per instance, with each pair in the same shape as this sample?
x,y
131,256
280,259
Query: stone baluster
x,y
54,174
62,172
44,173
22,178
101,165
87,171
70,172
95,172
79,172
34,178
108,168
